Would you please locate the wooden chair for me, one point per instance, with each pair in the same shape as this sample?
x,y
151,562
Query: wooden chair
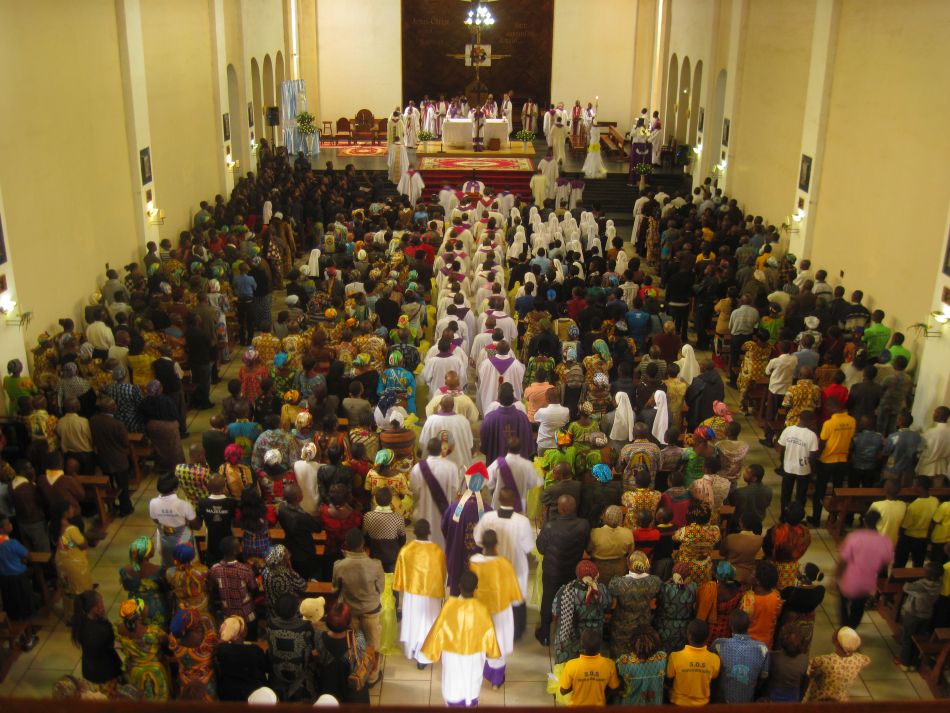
x,y
326,133
934,655
343,129
364,126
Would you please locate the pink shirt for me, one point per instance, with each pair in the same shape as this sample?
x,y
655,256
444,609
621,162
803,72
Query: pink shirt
x,y
864,553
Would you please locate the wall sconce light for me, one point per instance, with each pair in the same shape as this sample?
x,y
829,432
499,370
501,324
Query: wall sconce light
x,y
152,212
933,327
721,166
799,215
698,149
6,304
231,164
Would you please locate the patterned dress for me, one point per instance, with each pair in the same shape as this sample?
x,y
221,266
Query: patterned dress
x,y
395,377
696,543
536,364
574,615
633,595
196,667
150,590
143,662
720,629
675,608
397,482
831,675
754,361
637,501
804,395
642,680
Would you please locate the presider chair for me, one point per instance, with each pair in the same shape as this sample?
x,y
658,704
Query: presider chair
x,y
343,130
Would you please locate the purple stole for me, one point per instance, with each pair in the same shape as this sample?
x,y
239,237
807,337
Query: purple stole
x,y
473,184
435,489
461,312
458,341
501,364
508,478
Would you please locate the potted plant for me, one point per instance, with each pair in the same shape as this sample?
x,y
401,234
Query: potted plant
x,y
307,126
425,137
525,137
644,169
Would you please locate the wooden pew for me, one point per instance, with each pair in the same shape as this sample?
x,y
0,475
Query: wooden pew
x,y
725,515
619,140
891,591
847,501
37,562
276,535
139,450
614,147
99,488
934,654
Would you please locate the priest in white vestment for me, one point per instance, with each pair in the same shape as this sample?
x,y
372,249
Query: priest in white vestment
x,y
463,403
556,137
507,111
411,184
459,431
548,166
539,187
514,471
656,137
503,320
500,368
444,360
529,116
434,481
420,575
413,121
398,159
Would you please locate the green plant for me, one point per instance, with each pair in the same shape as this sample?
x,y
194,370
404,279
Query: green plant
x,y
306,123
525,135
644,169
426,136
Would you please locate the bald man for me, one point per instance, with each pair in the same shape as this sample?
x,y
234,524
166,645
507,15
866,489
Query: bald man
x,y
444,425
463,403
561,541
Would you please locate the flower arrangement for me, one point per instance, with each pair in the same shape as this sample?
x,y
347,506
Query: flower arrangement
x,y
643,169
525,135
306,123
644,132
426,136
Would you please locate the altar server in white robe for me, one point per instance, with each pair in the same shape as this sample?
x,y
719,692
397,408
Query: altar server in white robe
x,y
548,121
539,187
529,116
656,137
463,403
441,111
420,575
398,160
440,363
499,368
548,166
458,429
448,200
464,638
507,110
432,495
487,336
499,591
514,471
473,185
516,540
503,320
411,184
413,121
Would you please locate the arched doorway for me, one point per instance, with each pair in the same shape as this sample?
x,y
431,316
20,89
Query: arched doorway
x,y
238,117
267,74
712,131
257,99
669,115
696,92
682,102
278,82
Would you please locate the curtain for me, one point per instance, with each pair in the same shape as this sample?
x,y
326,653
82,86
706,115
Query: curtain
x,y
293,96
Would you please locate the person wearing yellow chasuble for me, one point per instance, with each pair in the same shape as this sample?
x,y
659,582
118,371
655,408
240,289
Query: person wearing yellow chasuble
x,y
498,591
420,576
464,638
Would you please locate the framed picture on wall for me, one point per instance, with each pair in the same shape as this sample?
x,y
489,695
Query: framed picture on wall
x,y
804,174
702,119
3,252
250,114
145,164
946,258
725,132
226,119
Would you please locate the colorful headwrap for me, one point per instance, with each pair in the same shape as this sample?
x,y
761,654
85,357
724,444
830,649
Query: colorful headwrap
x,y
233,453
86,351
601,379
309,451
705,432
638,562
232,628
330,313
613,516
395,359
276,556
361,359
725,572
281,359
183,553
720,409
573,332
848,639
403,321
587,408
214,286
272,456
587,572
680,573
597,439
291,396
564,438
384,457
600,346
571,354
250,356
130,610
140,550
184,621
304,420
602,472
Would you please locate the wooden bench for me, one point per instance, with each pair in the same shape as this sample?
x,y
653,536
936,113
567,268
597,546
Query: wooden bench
x,y
100,490
618,139
139,450
8,636
934,653
614,147
725,516
38,563
849,501
891,591
276,535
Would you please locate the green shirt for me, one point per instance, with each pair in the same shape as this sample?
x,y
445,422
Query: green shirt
x,y
876,337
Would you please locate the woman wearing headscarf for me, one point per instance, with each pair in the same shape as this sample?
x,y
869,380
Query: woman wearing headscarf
x,y
251,373
188,580
786,543
237,476
830,676
242,667
290,643
396,377
719,421
72,385
611,544
161,424
689,367
697,540
634,593
661,417
193,646
338,650
600,490
387,473
756,354
598,397
600,362
621,421
716,598
279,577
801,599
142,579
140,644
643,669
579,605
675,608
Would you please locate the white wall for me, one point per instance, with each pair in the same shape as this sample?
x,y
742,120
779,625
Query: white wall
x,y
359,43
593,59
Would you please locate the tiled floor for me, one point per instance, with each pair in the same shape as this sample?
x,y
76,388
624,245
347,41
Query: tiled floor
x,y
33,673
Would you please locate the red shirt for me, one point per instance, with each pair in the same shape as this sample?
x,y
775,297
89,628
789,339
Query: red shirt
x,y
575,306
832,391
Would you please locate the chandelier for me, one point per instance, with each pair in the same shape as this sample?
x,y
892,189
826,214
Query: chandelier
x,y
479,16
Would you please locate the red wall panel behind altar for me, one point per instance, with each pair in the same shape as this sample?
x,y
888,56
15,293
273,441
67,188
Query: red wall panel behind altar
x,y
434,29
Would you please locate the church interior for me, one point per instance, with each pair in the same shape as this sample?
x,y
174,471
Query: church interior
x,y
823,118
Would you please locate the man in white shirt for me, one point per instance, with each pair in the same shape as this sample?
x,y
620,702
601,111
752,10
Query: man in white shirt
x,y
175,517
798,449
781,371
742,324
550,420
515,472
100,335
515,542
935,458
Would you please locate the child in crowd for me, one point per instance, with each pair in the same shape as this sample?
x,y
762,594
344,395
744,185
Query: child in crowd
x,y
762,602
645,536
867,451
16,585
916,612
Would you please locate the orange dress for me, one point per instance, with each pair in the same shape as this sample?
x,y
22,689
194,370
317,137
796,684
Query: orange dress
x,y
763,611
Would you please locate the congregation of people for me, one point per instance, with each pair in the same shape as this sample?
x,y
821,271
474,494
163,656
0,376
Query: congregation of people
x,y
447,409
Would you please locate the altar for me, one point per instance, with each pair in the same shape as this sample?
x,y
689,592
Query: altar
x,y
458,132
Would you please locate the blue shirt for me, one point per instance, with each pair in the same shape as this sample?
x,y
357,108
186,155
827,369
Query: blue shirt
x,y
865,447
12,554
639,323
244,285
523,305
543,262
902,447
743,661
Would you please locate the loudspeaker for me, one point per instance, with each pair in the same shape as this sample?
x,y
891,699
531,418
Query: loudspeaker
x,y
273,116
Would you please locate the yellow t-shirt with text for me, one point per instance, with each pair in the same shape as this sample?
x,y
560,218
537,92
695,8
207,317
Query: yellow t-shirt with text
x,y
588,677
692,671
